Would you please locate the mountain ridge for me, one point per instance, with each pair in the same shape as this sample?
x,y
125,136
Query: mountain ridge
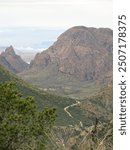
x,y
79,51
11,61
77,64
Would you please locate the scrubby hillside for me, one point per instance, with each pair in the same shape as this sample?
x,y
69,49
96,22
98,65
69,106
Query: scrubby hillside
x,y
76,65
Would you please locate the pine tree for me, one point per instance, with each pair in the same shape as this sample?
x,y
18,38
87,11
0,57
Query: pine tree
x,y
22,125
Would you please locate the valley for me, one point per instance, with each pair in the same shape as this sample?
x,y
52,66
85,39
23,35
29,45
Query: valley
x,y
74,76
72,105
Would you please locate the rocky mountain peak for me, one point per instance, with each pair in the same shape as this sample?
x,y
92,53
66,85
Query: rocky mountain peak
x,y
83,52
9,51
94,38
11,61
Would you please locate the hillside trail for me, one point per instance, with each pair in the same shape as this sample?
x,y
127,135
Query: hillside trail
x,y
72,105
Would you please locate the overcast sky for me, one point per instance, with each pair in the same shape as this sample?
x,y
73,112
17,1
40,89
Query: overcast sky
x,y
55,13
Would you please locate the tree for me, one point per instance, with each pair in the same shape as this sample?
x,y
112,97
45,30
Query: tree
x,y
22,125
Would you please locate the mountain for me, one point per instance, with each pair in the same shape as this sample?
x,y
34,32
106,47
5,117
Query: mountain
x,y
5,63
43,99
80,124
81,56
11,61
77,65
85,53
69,111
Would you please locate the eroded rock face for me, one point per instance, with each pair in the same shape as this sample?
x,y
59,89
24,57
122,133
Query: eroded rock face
x,y
85,53
11,61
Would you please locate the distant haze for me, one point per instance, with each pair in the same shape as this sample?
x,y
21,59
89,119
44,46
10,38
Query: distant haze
x,y
33,25
28,41
29,37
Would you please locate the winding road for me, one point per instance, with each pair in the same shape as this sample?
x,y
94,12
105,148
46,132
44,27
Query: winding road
x,y
72,105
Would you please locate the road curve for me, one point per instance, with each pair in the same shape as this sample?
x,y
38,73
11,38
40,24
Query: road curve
x,y
72,105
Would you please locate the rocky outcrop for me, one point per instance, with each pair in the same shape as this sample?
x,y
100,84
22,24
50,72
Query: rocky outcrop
x,y
11,61
85,53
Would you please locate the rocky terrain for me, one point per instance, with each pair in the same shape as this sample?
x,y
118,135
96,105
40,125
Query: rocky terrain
x,y
11,61
95,137
85,53
76,65
80,124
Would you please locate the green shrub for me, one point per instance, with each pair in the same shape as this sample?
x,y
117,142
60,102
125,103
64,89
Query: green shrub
x,y
22,125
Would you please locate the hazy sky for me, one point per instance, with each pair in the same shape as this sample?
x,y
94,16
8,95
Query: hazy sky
x,y
55,13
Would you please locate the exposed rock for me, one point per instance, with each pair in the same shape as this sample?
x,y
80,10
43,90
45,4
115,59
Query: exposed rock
x,y
85,53
5,63
11,61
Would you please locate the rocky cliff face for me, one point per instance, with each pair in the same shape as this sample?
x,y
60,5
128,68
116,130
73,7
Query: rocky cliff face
x,y
85,53
11,61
